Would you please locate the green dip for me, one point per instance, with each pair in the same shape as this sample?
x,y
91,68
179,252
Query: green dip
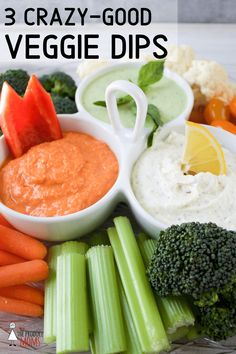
x,y
168,96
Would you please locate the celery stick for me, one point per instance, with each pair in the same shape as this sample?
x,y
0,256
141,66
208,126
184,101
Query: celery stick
x,y
175,310
194,333
81,248
108,319
50,318
95,346
95,336
146,317
74,247
50,314
99,238
146,248
90,319
180,333
92,345
133,345
72,312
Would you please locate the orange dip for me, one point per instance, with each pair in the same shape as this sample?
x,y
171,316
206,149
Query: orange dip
x,y
60,177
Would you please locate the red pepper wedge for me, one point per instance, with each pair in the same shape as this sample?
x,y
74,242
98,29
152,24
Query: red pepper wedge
x,y
14,120
30,120
46,121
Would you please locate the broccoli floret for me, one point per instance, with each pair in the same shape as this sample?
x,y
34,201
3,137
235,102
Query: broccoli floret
x,y
228,293
46,82
218,323
18,79
59,83
207,299
199,260
64,105
192,259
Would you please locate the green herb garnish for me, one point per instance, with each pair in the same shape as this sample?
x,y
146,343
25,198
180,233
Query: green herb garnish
x,y
120,101
100,103
154,114
148,75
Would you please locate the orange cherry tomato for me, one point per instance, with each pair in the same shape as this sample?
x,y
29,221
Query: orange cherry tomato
x,y
216,109
197,116
230,127
232,108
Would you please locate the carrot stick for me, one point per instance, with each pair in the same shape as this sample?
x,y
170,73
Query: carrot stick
x,y
226,125
16,274
25,293
20,244
20,307
8,258
4,222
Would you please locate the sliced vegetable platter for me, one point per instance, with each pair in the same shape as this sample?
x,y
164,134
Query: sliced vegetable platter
x,y
34,327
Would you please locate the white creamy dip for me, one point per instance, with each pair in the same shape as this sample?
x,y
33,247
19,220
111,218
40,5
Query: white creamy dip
x,y
172,197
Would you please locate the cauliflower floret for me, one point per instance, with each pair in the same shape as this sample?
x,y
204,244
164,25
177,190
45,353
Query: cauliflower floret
x,y
199,98
179,58
87,67
209,79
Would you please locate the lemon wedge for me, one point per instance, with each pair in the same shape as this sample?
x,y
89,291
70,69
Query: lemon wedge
x,y
202,152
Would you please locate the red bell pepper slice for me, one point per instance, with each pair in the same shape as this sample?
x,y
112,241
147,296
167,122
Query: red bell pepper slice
x,y
30,120
46,121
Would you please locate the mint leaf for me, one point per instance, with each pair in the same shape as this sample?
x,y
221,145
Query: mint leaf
x,y
120,101
124,100
150,73
151,136
154,113
100,103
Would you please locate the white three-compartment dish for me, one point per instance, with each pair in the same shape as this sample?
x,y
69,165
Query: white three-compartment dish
x,y
127,144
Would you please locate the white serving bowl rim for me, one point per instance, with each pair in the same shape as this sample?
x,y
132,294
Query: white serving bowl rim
x,y
129,143
73,216
111,66
226,139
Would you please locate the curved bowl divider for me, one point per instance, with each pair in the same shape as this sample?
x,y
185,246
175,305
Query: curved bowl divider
x,y
125,143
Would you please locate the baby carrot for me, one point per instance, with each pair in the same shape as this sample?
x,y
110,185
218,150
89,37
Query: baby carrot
x,y
230,127
20,244
4,222
232,108
25,293
197,115
20,307
8,258
16,274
